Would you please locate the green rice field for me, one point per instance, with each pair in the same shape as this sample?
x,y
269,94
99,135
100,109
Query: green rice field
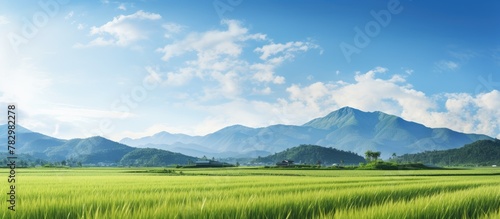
x,y
253,193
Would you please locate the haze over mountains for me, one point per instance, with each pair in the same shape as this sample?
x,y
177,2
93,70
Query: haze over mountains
x,y
88,150
346,129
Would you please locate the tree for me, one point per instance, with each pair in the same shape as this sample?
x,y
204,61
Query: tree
x,y
237,163
63,163
368,155
79,164
371,155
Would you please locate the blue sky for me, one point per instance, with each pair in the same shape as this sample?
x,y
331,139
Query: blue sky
x,y
130,69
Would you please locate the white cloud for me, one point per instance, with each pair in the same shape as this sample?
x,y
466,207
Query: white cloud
x,y
264,72
219,58
469,113
445,65
408,71
463,112
264,91
310,96
181,77
212,44
249,113
122,7
80,26
228,85
69,15
285,50
172,28
80,114
122,30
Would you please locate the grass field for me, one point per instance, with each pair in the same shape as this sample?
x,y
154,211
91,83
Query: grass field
x,y
253,193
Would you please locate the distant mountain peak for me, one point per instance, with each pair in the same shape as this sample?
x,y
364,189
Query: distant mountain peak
x,y
338,118
233,128
348,109
348,116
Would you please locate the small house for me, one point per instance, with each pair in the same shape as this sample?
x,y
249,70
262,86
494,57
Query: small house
x,y
285,163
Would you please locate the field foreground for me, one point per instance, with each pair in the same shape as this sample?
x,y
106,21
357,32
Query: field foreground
x,y
253,193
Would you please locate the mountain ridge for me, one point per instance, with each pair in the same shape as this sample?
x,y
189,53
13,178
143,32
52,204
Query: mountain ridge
x,y
88,151
347,129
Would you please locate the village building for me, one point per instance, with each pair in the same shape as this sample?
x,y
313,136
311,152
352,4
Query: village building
x,y
285,163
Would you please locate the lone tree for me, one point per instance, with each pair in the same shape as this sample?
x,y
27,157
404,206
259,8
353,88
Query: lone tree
x,y
368,155
372,155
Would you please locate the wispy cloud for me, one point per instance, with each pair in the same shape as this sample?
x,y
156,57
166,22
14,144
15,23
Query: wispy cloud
x,y
172,28
121,31
286,49
69,15
81,114
122,7
219,58
446,65
212,44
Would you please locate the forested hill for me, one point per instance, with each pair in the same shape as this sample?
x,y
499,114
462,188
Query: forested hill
x,y
311,154
483,152
154,157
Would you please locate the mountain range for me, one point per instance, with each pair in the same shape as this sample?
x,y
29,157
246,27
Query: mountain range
x,y
87,150
346,129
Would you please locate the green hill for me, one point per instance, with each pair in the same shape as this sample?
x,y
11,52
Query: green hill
x,y
154,157
89,150
311,154
483,153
